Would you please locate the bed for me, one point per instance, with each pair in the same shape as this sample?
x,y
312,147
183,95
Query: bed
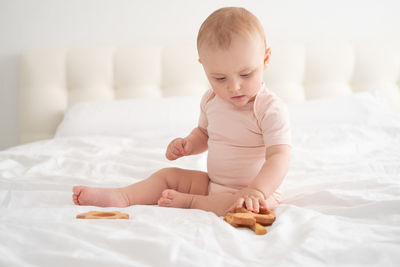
x,y
102,116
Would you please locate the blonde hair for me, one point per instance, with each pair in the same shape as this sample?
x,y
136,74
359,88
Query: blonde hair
x,y
219,27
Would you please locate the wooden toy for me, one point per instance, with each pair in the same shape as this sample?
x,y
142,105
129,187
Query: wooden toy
x,y
103,215
241,217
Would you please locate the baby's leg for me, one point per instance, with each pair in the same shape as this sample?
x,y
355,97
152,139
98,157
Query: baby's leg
x,y
146,192
218,203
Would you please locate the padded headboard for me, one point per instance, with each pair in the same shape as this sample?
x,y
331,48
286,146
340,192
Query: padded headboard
x,y
51,80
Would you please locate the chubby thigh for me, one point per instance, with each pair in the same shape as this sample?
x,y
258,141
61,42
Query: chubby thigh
x,y
187,181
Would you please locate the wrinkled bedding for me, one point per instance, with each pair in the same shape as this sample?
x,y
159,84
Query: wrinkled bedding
x,y
341,204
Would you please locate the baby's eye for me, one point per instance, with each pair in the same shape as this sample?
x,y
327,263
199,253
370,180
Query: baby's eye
x,y
245,75
220,79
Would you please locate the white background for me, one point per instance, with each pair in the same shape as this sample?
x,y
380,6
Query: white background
x,y
26,24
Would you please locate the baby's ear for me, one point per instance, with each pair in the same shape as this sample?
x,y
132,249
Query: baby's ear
x,y
266,57
200,61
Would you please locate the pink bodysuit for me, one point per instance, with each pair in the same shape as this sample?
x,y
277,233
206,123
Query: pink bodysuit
x,y
238,137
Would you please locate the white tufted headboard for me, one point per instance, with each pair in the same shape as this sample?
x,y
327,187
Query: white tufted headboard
x,y
51,80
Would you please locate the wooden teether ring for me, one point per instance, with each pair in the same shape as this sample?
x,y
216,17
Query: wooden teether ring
x,y
103,215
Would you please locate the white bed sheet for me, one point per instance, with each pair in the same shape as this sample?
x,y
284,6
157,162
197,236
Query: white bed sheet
x,y
341,204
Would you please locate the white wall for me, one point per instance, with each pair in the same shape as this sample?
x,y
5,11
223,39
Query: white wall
x,y
78,23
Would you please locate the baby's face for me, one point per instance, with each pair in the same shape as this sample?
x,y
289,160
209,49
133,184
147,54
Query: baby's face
x,y
236,73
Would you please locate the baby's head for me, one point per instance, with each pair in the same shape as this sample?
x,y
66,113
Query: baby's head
x,y
232,49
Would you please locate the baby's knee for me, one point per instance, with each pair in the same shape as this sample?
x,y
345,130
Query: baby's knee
x,y
168,171
170,176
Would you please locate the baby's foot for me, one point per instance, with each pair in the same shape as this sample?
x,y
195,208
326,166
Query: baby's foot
x,y
175,199
101,197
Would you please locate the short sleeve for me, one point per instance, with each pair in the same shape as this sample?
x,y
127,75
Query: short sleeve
x,y
274,121
203,122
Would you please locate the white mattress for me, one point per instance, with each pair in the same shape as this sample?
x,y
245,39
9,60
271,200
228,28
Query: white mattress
x,y
341,201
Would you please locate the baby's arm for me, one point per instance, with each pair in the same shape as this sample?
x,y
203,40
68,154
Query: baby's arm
x,y
199,140
268,179
274,170
194,143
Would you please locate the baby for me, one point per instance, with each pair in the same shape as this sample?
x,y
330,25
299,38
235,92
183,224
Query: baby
x,y
244,126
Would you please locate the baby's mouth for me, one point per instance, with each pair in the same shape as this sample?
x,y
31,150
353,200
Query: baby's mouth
x,y
238,97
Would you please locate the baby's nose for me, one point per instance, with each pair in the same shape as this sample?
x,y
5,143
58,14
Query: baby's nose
x,y
234,86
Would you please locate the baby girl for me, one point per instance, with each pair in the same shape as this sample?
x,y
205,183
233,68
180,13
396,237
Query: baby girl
x,y
243,125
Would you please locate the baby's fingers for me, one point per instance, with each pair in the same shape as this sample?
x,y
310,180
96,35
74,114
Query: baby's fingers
x,y
179,146
252,204
249,203
171,156
256,205
173,153
238,204
183,146
263,204
176,151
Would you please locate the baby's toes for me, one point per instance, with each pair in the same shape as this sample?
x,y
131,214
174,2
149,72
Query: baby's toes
x,y
163,201
168,193
75,199
77,190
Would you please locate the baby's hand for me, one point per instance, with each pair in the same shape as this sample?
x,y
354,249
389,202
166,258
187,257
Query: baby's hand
x,y
178,147
251,199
